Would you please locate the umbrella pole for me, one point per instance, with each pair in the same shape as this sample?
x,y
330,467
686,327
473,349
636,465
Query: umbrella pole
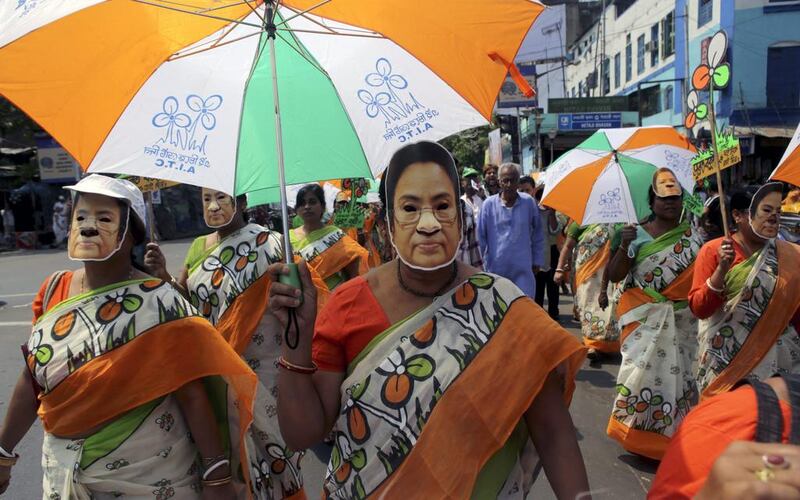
x,y
271,28
713,122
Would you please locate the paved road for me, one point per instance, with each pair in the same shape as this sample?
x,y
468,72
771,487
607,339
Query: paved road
x,y
612,472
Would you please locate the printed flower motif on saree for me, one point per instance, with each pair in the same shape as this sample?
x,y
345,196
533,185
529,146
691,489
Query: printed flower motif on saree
x,y
397,385
751,335
598,326
229,268
656,387
137,442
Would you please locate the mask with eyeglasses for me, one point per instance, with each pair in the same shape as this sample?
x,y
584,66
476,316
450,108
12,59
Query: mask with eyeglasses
x,y
410,214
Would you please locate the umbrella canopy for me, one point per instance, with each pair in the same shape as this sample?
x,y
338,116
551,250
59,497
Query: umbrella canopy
x,y
607,177
788,170
162,90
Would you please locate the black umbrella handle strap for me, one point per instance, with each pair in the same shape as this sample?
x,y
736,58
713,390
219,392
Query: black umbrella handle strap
x,y
292,338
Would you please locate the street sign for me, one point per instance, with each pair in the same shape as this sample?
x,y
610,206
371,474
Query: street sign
x,y
589,121
590,105
510,95
55,164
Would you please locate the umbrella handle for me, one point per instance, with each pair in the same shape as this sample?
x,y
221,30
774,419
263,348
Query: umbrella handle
x,y
292,279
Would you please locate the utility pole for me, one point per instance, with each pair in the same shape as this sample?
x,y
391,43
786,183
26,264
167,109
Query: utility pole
x,y
686,76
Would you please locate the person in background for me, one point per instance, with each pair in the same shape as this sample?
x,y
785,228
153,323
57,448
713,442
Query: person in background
x,y
60,225
491,184
473,193
551,226
8,224
711,226
469,250
335,256
746,291
757,411
510,234
399,360
656,384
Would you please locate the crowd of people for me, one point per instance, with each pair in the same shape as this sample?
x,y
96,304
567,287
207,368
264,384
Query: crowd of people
x,y
414,344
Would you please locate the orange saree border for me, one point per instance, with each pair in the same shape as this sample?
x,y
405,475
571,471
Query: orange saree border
x,y
240,320
632,298
780,310
459,423
70,409
595,263
339,256
647,444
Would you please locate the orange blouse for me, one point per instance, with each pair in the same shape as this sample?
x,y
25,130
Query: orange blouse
x,y
60,294
703,436
351,318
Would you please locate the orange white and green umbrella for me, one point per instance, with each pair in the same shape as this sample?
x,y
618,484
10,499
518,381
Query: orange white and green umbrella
x,y
788,170
226,93
163,90
607,177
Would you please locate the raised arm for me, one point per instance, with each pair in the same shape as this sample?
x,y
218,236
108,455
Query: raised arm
x,y
621,262
308,400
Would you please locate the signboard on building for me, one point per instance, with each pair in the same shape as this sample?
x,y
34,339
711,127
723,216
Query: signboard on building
x,y
589,121
510,95
55,164
495,147
590,105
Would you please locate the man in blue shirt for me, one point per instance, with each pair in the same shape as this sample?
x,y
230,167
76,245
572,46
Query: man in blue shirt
x,y
510,234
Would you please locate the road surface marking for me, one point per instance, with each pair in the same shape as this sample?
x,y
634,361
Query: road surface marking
x,y
15,323
12,295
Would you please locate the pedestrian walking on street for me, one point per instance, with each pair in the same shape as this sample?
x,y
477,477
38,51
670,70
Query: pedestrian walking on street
x,y
746,291
552,227
592,248
656,384
225,277
118,362
510,234
491,183
473,192
397,352
60,225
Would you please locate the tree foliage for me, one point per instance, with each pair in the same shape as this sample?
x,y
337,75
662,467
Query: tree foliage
x,y
469,146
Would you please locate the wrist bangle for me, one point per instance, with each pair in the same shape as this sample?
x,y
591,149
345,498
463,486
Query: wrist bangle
x,y
4,453
9,461
216,482
305,370
713,288
559,270
216,466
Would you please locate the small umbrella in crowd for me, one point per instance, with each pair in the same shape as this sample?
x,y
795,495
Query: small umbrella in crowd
x,y
606,178
231,95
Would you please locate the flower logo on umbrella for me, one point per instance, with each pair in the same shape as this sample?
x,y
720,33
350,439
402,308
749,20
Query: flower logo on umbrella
x,y
169,118
375,103
383,77
610,198
386,99
715,71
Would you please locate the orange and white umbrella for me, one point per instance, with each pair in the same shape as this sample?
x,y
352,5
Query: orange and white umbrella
x,y
788,170
606,178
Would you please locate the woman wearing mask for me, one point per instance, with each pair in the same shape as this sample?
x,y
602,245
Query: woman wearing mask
x,y
398,353
746,290
335,256
120,361
655,385
225,278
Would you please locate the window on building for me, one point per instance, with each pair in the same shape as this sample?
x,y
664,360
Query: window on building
x,y
572,92
654,46
606,81
649,99
640,54
617,70
580,88
668,96
628,60
668,36
705,11
783,76
622,6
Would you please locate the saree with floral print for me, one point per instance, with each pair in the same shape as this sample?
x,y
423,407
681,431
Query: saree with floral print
x,y
328,251
598,326
108,362
230,288
656,387
751,335
418,392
